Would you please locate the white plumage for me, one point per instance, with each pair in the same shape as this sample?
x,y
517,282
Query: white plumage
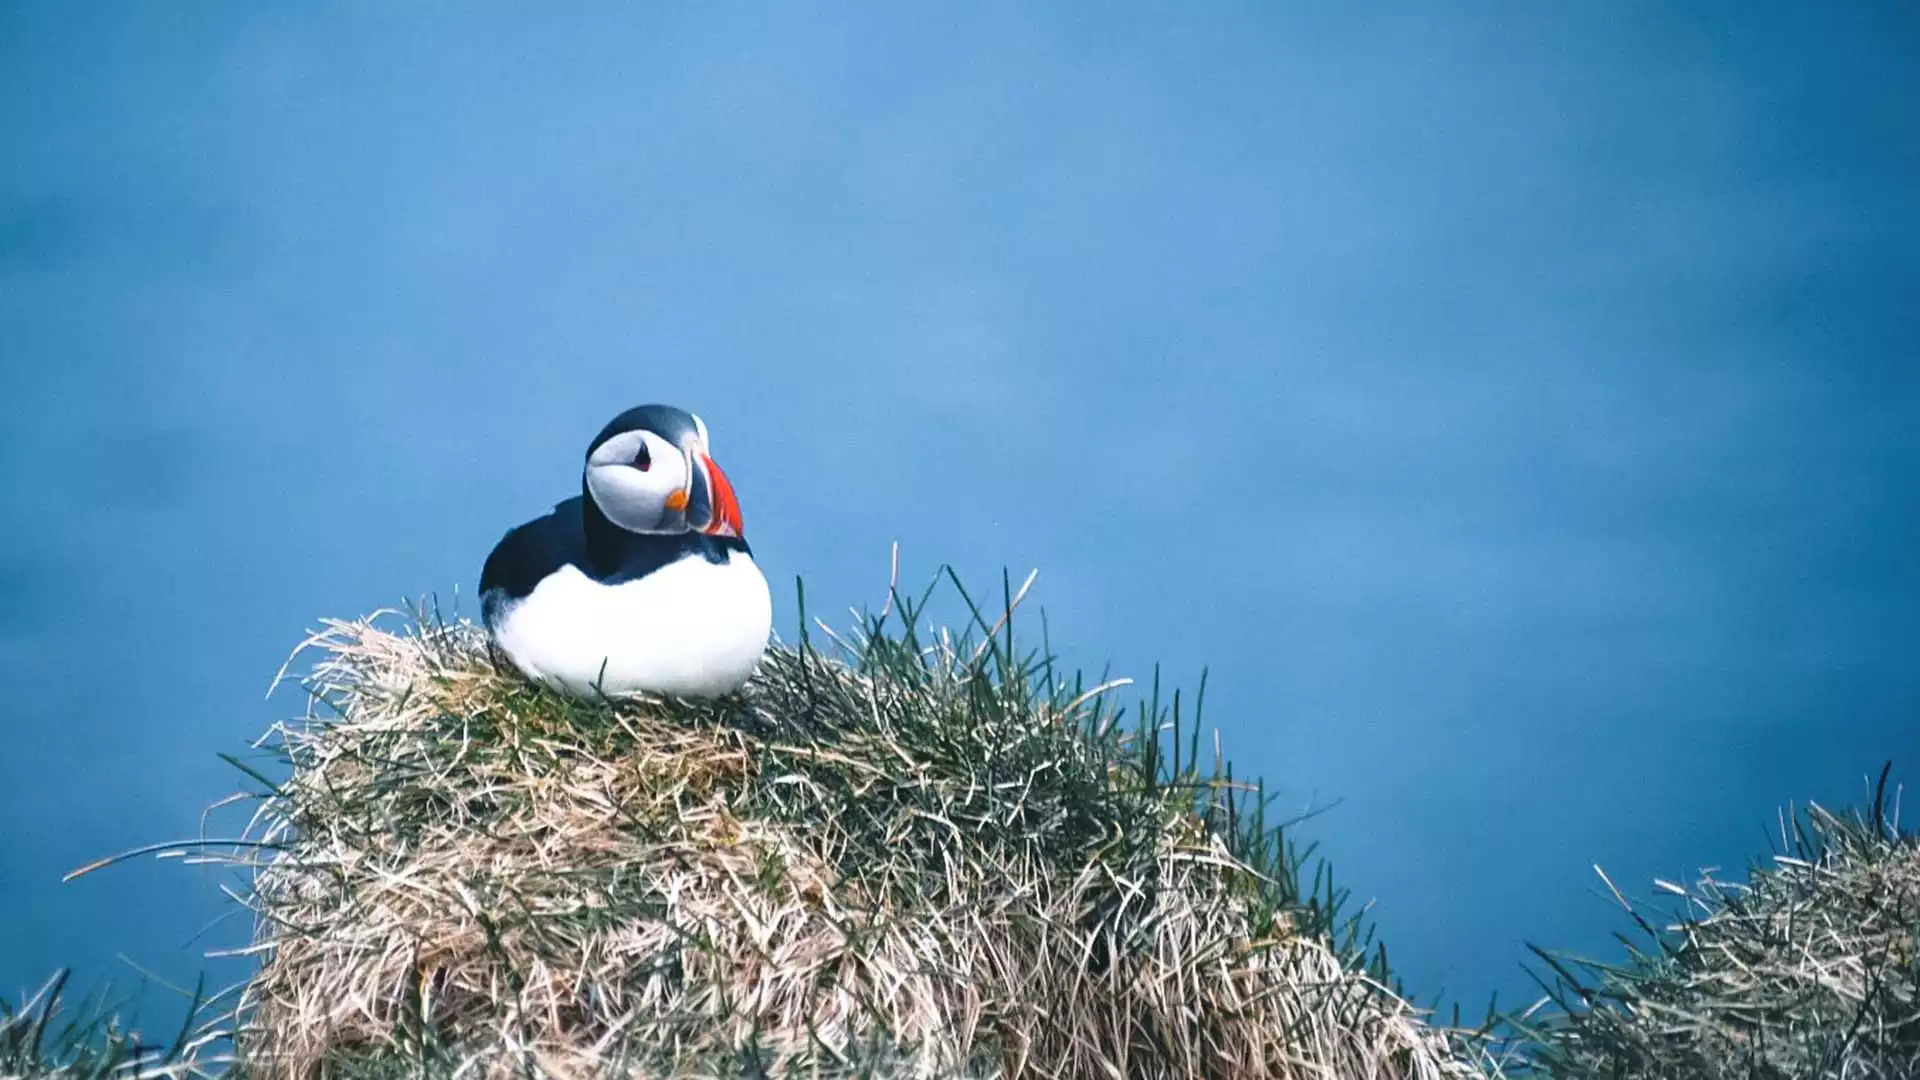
x,y
691,628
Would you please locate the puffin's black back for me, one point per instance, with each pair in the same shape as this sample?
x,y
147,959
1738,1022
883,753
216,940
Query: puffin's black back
x,y
529,553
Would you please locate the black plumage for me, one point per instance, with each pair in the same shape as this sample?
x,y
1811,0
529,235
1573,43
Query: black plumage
x,y
577,533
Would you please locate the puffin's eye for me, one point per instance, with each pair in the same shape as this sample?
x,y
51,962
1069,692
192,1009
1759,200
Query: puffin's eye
x,y
644,459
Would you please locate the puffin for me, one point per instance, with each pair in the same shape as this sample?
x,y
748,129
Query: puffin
x,y
641,584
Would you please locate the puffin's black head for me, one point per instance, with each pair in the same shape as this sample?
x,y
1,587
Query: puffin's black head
x,y
649,471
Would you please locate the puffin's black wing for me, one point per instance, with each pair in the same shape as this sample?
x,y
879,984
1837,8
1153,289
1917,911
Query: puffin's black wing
x,y
528,554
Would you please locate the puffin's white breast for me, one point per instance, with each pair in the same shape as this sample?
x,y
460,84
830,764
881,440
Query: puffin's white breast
x,y
691,628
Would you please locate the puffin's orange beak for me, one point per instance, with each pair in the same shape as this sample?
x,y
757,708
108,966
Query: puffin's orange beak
x,y
726,507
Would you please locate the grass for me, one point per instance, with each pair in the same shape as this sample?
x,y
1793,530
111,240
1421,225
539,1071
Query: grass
x,y
906,852
901,851
1809,969
42,1038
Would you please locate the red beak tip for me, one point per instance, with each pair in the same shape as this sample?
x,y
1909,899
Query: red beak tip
x,y
726,505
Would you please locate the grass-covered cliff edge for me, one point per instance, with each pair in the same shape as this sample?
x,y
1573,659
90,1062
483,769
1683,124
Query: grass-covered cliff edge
x,y
906,852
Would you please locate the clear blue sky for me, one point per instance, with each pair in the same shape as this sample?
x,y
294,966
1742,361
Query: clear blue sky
x,y
1515,405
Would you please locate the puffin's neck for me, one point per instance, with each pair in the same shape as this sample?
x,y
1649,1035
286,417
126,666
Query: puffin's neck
x,y
612,550
614,553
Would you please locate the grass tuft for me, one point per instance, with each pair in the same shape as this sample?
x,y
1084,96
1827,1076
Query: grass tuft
x,y
905,851
1810,969
900,851
41,1039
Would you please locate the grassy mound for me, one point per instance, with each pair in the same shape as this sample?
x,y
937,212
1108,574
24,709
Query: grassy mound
x,y
906,857
896,857
1808,970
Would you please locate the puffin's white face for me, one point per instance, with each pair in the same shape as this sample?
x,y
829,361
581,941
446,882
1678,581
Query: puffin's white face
x,y
637,477
646,484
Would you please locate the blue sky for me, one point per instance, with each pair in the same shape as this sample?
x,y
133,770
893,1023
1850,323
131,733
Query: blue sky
x,y
1515,406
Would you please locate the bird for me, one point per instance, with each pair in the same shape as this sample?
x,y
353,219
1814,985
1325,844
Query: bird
x,y
641,584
